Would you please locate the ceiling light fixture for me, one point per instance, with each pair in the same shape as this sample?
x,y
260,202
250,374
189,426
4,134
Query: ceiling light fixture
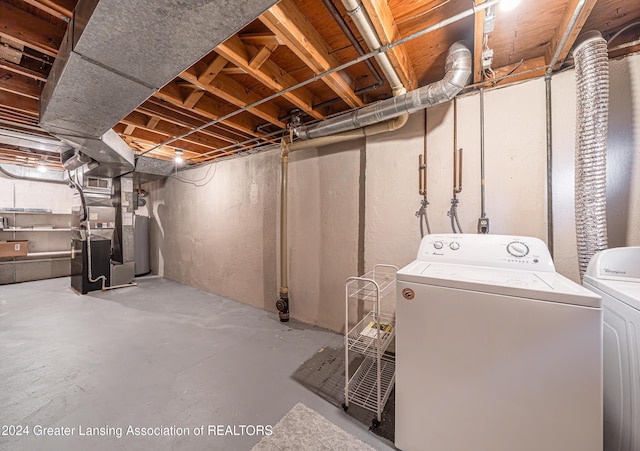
x,y
42,167
508,5
178,158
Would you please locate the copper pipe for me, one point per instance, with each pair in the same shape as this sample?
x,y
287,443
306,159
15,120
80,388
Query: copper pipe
x,y
457,161
422,163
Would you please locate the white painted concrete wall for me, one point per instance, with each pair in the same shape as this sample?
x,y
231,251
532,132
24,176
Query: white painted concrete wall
x,y
17,193
323,231
223,238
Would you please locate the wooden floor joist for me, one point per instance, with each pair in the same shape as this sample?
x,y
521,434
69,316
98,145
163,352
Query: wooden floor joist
x,y
269,74
287,22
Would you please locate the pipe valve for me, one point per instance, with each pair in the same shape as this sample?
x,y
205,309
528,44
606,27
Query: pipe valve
x,y
282,304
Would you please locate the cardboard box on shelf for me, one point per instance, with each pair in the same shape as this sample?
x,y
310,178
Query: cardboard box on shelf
x,y
13,248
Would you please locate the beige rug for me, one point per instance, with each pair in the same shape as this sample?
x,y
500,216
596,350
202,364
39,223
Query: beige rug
x,y
305,429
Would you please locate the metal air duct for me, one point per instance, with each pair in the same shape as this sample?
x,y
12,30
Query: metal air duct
x,y
27,173
457,73
117,53
31,141
592,105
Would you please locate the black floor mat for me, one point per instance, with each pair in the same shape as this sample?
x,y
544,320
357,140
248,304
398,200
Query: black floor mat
x,y
323,374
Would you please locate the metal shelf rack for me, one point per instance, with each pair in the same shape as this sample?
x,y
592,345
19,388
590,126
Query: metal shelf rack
x,y
371,383
49,236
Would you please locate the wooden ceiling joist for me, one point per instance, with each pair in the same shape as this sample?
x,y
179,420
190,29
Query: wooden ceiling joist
x,y
287,22
208,108
212,70
269,74
17,69
139,120
261,57
11,119
21,104
129,129
170,113
157,137
20,85
152,123
478,42
30,31
194,98
233,92
233,70
531,68
31,153
261,39
565,25
62,9
384,24
18,124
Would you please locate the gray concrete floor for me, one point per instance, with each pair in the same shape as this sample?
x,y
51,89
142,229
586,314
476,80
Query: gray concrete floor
x,y
160,354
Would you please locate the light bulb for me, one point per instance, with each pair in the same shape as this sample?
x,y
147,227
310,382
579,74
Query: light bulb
x,y
42,167
178,158
508,5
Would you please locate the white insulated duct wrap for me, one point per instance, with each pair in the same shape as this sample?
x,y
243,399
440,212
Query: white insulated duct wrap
x,y
592,105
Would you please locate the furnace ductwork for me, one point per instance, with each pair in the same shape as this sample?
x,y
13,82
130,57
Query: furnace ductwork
x,y
115,55
457,73
592,105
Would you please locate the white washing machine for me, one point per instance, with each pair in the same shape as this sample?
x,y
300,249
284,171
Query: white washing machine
x,y
614,274
495,351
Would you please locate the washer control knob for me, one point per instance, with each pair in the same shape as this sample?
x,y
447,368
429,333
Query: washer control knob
x,y
518,249
438,245
454,245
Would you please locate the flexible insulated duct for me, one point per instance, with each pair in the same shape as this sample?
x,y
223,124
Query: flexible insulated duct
x,y
592,105
457,73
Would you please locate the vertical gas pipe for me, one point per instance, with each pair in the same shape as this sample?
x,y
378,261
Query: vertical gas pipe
x,y
282,304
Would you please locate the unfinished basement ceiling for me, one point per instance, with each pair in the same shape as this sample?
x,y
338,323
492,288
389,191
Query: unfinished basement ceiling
x,y
290,43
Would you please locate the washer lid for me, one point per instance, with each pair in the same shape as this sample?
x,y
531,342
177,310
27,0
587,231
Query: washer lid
x,y
627,292
544,286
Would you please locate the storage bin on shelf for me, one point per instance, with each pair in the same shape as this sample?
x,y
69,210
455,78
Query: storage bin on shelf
x,y
371,383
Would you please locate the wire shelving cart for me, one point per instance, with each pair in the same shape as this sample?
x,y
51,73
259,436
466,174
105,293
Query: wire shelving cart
x,y
371,383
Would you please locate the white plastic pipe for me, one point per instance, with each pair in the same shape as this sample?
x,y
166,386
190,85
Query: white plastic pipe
x,y
361,18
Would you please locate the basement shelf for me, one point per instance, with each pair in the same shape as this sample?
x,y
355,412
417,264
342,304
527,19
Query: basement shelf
x,y
34,255
27,229
38,256
363,385
34,260
366,344
4,212
384,276
49,254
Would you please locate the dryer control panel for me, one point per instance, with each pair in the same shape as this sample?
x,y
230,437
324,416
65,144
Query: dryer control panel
x,y
499,251
620,263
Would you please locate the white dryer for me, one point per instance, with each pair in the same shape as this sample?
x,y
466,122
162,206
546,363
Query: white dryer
x,y
495,350
614,274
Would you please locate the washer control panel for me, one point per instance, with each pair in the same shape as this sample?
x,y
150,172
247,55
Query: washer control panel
x,y
518,249
500,251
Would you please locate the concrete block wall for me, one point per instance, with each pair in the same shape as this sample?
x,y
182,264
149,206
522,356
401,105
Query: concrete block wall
x,y
353,205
